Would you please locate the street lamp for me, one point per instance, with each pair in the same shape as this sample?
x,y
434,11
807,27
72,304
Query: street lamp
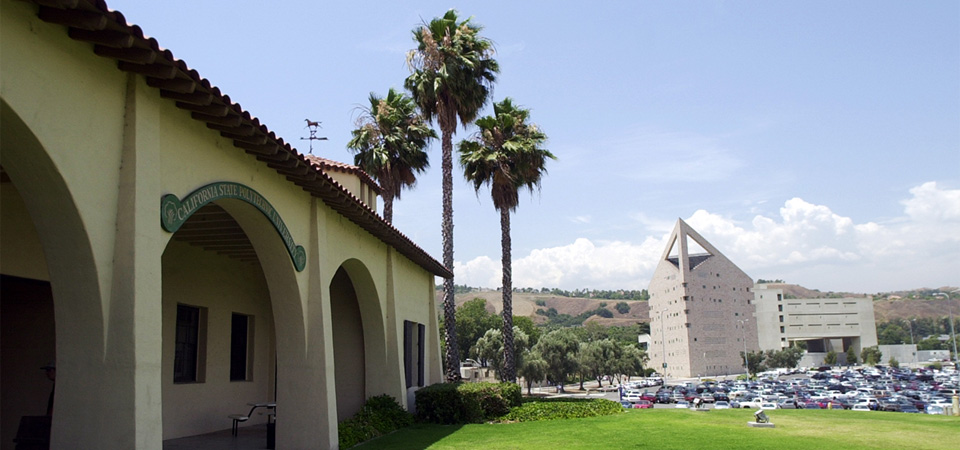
x,y
953,334
743,330
910,323
663,346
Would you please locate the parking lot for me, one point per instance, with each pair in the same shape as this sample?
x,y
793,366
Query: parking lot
x,y
864,389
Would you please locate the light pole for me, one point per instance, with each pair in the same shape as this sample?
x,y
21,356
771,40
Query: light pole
x,y
910,323
953,334
743,329
663,346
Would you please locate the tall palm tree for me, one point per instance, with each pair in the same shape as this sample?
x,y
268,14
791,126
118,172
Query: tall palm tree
x,y
453,71
389,144
507,154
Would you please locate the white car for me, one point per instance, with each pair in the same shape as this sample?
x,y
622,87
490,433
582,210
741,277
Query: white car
x,y
682,404
861,407
721,405
769,405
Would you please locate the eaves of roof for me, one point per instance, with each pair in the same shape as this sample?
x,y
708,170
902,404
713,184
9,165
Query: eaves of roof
x,y
93,22
329,164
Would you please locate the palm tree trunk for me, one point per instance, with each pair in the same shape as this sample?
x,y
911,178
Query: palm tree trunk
x,y
387,204
447,127
509,360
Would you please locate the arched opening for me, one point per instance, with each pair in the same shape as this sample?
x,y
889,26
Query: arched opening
x,y
348,346
359,342
50,308
219,348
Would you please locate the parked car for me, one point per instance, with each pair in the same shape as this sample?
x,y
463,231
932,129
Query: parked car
x,y
721,404
769,405
682,404
935,409
643,404
788,404
860,407
909,409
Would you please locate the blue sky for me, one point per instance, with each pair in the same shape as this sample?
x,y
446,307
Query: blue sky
x,y
816,142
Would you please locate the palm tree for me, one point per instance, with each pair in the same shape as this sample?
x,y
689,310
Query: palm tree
x,y
389,145
452,75
507,154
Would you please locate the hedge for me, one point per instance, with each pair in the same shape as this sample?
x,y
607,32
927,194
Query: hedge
x,y
456,403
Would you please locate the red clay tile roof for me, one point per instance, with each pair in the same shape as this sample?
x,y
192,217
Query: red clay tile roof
x,y
92,21
329,164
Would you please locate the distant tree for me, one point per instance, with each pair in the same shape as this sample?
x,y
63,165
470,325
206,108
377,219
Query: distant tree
x,y
871,355
490,348
622,307
540,302
851,357
831,358
526,324
532,368
894,363
786,358
755,362
631,362
559,349
598,358
473,320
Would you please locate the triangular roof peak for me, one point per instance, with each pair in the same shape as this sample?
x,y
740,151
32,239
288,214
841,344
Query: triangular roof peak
x,y
686,248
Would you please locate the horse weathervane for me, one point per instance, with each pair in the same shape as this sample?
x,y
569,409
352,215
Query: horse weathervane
x,y
313,126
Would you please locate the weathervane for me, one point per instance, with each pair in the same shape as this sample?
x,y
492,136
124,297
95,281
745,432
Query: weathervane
x,y
313,126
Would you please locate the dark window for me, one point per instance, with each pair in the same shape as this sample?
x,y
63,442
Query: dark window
x,y
780,308
240,347
781,329
187,348
413,336
781,319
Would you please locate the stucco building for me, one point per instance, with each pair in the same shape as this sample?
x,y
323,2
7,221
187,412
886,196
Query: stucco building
x,y
824,324
176,259
701,311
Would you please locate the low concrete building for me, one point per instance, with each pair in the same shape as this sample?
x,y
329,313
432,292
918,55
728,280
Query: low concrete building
x,y
178,260
824,324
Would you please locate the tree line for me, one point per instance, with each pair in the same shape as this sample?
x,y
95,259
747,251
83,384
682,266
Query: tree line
x,y
552,352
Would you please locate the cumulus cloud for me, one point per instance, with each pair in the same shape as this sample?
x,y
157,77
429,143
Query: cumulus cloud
x,y
807,244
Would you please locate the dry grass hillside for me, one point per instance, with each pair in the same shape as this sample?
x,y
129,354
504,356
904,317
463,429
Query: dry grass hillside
x,y
526,305
887,306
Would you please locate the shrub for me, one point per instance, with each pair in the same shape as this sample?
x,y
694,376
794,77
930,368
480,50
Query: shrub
x,y
380,415
540,302
561,408
448,403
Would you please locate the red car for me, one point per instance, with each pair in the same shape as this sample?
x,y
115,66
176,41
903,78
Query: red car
x,y
643,404
648,396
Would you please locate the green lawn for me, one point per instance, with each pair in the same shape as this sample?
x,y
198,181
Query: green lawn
x,y
683,429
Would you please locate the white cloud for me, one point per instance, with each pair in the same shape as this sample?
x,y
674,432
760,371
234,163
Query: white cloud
x,y
807,244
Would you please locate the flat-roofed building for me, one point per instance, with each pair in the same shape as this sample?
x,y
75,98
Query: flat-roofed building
x,y
825,324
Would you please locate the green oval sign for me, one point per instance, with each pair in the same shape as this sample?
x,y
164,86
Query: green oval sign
x,y
174,212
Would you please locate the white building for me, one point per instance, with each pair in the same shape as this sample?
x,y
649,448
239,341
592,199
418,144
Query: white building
x,y
825,324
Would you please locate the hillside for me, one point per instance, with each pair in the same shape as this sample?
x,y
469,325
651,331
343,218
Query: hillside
x,y
919,303
526,305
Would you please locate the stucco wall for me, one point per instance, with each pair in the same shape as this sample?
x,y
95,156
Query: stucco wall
x,y
92,150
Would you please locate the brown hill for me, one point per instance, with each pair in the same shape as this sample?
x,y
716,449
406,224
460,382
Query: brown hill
x,y
919,303
525,304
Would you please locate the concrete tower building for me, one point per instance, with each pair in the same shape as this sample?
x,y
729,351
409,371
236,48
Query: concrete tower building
x,y
701,311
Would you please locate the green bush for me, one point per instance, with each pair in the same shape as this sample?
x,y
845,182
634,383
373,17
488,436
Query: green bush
x,y
561,408
380,415
448,403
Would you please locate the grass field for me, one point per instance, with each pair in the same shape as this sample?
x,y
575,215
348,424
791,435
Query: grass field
x,y
684,429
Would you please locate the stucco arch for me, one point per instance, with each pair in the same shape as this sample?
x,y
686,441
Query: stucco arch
x,y
79,309
358,311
